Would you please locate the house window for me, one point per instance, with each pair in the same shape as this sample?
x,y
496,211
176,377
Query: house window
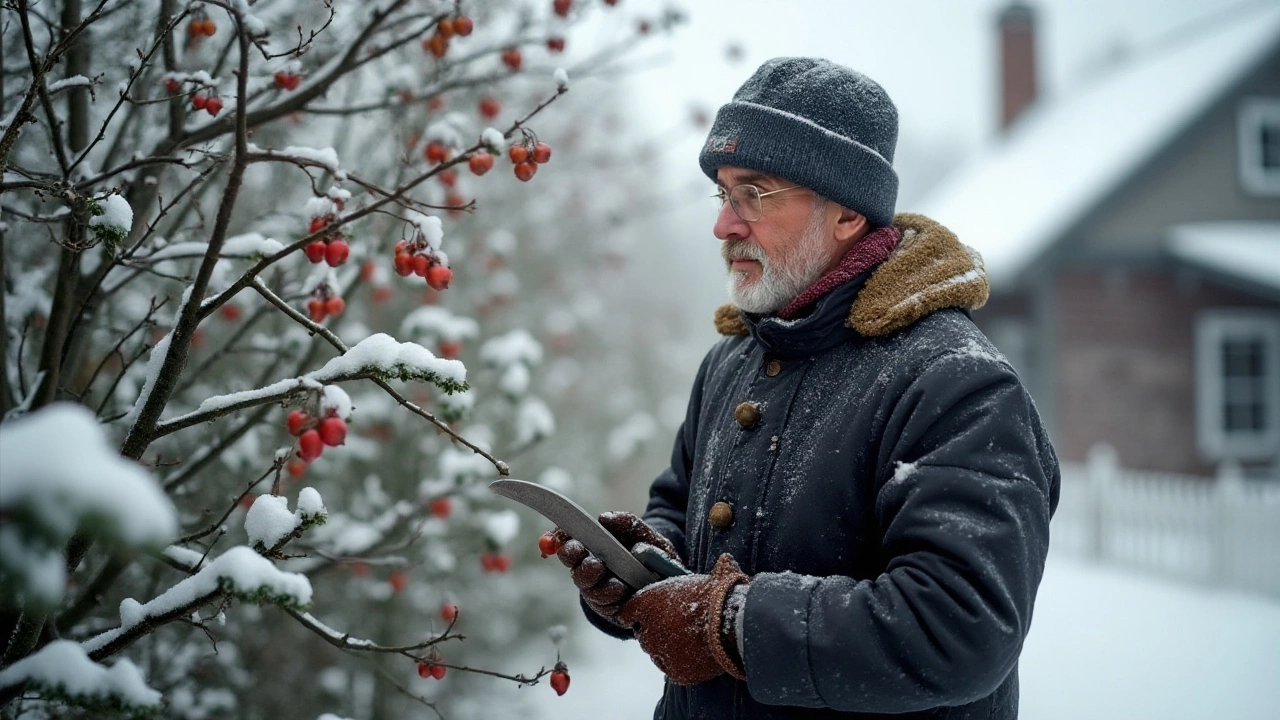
x,y
1260,146
1238,385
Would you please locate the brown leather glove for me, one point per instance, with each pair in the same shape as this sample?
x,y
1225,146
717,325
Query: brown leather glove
x,y
602,591
679,622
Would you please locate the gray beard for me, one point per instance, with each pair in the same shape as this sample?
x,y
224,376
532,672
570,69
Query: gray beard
x,y
785,277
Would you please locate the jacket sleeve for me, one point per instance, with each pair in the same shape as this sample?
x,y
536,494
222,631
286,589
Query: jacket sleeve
x,y
669,494
966,484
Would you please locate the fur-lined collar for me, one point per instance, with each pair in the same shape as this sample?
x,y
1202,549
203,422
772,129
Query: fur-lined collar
x,y
930,270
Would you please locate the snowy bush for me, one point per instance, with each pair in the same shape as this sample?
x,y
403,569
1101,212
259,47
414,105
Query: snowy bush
x,y
218,216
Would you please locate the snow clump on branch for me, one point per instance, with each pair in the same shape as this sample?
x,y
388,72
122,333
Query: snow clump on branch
x,y
62,670
46,493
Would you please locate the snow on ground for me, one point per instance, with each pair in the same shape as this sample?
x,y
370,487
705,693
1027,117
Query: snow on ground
x,y
1105,643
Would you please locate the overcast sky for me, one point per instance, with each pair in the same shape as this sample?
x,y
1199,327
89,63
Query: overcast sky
x,y
936,59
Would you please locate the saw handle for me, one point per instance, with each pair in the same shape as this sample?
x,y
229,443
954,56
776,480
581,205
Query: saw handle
x,y
653,558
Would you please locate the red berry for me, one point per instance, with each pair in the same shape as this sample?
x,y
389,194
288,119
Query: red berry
x,y
511,58
367,270
490,107
195,28
381,294
296,421
424,670
518,153
398,580
549,544
199,101
317,223
444,28
526,170
337,253
450,349
334,306
246,501
448,611
448,178
441,507
333,431
480,163
315,309
210,27
541,153
421,264
297,468
463,25
287,80
501,562
230,312
437,45
171,85
213,105
404,264
561,7
439,277
315,251
486,561
310,445
436,153
438,671
610,3
560,680
555,44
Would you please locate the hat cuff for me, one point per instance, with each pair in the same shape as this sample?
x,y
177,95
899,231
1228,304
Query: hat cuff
x,y
794,148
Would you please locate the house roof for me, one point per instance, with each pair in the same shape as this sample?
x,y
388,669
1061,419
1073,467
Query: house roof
x,y
1248,251
1067,153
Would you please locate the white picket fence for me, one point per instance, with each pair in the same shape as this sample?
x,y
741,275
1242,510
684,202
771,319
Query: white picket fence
x,y
1221,531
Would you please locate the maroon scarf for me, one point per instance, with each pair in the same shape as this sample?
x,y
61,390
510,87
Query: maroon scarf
x,y
868,252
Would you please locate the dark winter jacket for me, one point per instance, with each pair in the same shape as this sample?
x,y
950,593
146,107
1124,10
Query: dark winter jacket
x,y
890,496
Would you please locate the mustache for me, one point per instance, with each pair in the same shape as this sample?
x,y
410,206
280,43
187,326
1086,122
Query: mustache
x,y
741,250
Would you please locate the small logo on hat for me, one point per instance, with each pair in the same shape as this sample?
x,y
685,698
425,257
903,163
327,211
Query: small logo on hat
x,y
722,145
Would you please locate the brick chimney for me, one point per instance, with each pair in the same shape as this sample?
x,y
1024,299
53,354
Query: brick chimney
x,y
1017,61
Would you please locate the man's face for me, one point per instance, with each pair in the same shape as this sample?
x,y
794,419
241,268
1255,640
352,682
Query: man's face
x,y
774,259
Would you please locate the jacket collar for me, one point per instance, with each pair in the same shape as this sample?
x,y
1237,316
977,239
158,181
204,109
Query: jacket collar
x,y
930,270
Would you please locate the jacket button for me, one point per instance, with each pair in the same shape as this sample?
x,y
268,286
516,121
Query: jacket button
x,y
721,515
747,414
772,368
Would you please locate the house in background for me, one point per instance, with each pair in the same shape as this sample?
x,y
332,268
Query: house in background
x,y
1130,227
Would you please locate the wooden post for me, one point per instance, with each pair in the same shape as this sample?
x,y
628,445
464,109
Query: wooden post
x,y
1103,465
1228,496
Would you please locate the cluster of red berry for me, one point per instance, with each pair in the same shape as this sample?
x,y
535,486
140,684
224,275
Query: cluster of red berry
x,y
211,104
314,433
438,43
324,303
432,668
201,26
560,678
498,562
333,247
415,257
286,80
527,158
549,544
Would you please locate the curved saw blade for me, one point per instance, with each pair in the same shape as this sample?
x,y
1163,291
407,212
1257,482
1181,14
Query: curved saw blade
x,y
581,526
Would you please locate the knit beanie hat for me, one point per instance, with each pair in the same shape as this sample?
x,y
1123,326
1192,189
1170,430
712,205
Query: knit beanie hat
x,y
817,124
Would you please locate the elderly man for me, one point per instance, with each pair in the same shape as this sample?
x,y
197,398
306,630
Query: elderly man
x,y
862,487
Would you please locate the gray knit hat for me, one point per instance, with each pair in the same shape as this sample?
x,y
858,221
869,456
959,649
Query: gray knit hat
x,y
817,124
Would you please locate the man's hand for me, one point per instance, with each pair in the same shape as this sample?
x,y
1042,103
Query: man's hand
x,y
602,591
678,622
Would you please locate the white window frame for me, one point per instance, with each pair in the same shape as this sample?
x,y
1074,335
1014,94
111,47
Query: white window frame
x,y
1213,327
1254,178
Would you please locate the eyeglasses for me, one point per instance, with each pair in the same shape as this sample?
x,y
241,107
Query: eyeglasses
x,y
745,200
